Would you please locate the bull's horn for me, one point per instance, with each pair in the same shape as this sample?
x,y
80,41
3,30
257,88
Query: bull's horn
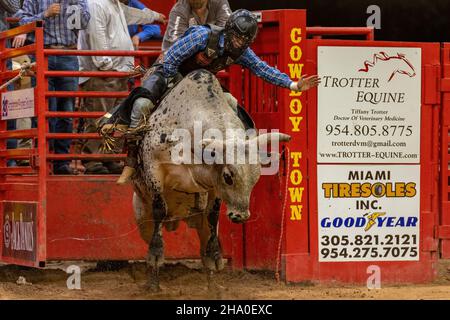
x,y
282,137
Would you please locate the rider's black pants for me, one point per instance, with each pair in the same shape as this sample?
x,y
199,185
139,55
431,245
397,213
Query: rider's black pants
x,y
156,83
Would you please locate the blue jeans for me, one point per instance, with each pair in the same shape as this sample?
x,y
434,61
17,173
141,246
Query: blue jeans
x,y
62,125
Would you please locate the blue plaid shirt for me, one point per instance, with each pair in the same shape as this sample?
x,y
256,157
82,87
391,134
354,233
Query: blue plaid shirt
x,y
196,39
61,29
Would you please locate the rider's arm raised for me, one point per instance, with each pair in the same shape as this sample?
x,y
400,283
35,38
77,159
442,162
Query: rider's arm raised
x,y
272,75
260,68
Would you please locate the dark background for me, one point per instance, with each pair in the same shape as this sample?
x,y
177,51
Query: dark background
x,y
401,20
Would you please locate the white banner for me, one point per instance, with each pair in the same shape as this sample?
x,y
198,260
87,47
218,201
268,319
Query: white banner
x,y
369,105
368,212
18,104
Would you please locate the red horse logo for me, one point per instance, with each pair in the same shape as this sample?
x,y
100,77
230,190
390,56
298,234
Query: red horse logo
x,y
404,66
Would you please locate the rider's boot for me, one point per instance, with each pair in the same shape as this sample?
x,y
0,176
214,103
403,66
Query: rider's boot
x,y
141,106
130,162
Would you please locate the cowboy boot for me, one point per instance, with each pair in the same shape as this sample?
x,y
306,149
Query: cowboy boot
x,y
130,163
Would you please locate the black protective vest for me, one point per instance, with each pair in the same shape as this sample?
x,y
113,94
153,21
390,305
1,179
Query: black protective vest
x,y
209,58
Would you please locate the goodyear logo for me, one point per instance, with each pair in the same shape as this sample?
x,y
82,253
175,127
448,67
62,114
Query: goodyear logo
x,y
376,219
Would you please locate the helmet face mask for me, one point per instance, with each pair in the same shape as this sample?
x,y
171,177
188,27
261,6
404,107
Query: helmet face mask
x,y
240,31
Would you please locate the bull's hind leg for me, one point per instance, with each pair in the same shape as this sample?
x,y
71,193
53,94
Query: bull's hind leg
x,y
209,241
155,258
143,215
156,248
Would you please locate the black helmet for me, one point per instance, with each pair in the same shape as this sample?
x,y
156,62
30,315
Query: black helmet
x,y
243,25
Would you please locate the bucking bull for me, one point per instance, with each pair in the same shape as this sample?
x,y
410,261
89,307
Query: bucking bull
x,y
166,192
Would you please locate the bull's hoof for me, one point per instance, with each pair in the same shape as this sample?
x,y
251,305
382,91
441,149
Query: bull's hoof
x,y
155,256
155,260
152,287
213,263
212,259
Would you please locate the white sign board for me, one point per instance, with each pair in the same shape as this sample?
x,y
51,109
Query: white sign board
x,y
369,105
368,213
18,104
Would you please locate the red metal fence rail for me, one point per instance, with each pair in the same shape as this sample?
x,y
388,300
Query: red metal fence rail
x,y
36,184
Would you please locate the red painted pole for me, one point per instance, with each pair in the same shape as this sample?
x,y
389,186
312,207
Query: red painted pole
x,y
368,32
41,108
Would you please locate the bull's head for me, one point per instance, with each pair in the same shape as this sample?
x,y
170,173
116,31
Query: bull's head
x,y
235,181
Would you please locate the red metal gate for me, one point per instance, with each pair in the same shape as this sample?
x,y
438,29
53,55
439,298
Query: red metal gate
x,y
75,219
285,206
444,222
424,269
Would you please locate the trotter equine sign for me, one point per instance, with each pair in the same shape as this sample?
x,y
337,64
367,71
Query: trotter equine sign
x,y
369,105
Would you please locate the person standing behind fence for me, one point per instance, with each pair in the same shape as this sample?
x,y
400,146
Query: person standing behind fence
x,y
107,30
62,21
9,7
188,13
149,31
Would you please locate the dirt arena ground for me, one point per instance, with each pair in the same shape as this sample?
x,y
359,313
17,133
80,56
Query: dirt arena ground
x,y
178,281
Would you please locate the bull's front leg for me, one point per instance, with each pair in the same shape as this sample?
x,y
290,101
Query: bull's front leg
x,y
210,246
156,246
213,251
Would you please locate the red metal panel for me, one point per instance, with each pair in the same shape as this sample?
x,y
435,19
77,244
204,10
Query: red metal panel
x,y
92,218
263,103
444,219
294,118
424,269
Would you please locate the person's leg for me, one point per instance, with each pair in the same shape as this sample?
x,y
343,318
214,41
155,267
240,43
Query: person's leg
x,y
64,125
52,101
92,105
99,105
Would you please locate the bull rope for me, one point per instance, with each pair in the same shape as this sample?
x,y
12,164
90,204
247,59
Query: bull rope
x,y
126,233
24,68
277,268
